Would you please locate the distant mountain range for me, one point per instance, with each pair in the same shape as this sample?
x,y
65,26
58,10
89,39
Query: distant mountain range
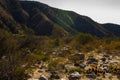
x,y
30,16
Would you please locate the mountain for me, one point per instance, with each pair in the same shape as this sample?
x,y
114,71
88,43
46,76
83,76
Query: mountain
x,y
15,19
113,28
22,16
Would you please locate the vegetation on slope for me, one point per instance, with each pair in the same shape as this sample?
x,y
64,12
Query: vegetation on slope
x,y
31,32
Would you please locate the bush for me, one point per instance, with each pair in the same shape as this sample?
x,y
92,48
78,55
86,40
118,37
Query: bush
x,y
114,45
8,44
41,57
11,70
84,38
56,64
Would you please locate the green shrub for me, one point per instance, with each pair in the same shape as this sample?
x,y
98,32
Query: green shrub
x,y
84,38
55,64
81,40
11,70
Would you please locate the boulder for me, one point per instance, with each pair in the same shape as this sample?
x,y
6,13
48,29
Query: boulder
x,y
68,67
27,52
43,78
76,64
74,76
91,75
82,65
106,54
106,69
54,75
4,57
91,60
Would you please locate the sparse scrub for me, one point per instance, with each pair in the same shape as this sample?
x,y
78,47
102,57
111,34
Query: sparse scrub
x,y
56,64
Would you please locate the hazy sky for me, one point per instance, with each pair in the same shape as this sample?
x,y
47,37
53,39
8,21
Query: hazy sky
x,y
102,11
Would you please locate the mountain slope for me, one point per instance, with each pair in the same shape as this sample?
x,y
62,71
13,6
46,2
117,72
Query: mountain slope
x,y
113,28
70,21
15,19
11,16
19,16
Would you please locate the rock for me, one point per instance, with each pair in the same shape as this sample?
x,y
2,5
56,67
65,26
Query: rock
x,y
40,71
106,69
40,62
54,75
68,67
103,59
105,65
4,57
91,75
62,79
91,60
118,73
80,55
74,76
76,64
27,52
113,62
105,54
99,79
82,65
33,79
43,78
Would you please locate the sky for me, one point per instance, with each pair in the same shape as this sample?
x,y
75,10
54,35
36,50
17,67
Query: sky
x,y
102,11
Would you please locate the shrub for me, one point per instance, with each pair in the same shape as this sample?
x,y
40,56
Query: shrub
x,y
55,64
11,70
84,38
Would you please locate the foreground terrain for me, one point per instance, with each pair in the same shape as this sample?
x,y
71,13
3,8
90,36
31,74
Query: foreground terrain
x,y
38,42
91,66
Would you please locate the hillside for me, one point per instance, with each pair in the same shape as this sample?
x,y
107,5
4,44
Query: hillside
x,y
15,19
39,42
113,28
45,20
69,20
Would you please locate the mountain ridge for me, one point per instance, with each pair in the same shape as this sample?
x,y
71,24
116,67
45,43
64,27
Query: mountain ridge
x,y
46,20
